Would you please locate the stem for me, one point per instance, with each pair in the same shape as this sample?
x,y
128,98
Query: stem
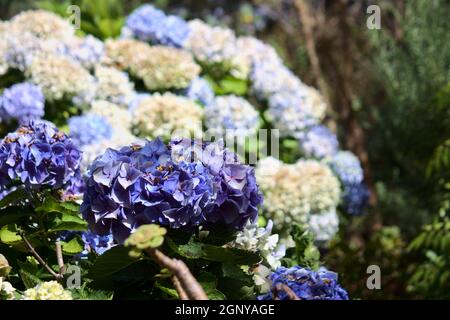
x,y
59,257
181,293
193,290
282,287
38,257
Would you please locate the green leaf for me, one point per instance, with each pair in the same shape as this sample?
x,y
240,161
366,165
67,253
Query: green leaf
x,y
29,280
68,221
196,250
9,235
169,291
109,263
14,215
74,246
12,198
235,272
51,204
209,283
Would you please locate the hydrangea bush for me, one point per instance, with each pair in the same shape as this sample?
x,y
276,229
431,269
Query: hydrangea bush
x,y
104,137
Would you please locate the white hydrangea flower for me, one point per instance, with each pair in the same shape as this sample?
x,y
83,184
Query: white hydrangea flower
x,y
61,78
254,238
113,85
216,46
162,115
322,186
324,225
50,290
42,24
86,50
285,196
7,291
261,278
117,117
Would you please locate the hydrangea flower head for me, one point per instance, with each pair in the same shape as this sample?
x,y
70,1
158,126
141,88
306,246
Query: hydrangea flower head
x,y
306,284
324,225
113,85
85,50
154,183
355,198
96,243
39,155
294,112
88,128
318,141
22,102
50,290
200,90
347,167
162,115
231,113
146,23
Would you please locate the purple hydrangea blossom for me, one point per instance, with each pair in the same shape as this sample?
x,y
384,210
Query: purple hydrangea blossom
x,y
318,141
306,284
355,198
89,128
155,183
39,155
150,24
22,102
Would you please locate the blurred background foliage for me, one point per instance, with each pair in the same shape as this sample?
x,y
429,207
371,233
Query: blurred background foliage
x,y
389,92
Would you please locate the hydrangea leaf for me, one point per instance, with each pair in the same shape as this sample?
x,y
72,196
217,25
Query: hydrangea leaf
x,y
12,198
8,235
68,221
74,246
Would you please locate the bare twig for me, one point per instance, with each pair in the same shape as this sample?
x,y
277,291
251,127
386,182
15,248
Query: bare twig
x,y
308,23
282,287
181,293
192,289
59,257
38,257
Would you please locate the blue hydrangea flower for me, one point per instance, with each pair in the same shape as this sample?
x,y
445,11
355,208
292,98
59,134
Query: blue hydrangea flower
x,y
89,128
39,155
355,198
318,141
22,102
74,189
150,24
96,243
347,167
200,90
306,284
155,183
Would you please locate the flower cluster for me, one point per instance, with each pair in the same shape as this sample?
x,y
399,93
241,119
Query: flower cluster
x,y
318,141
306,284
165,68
254,238
41,24
22,102
162,115
39,155
347,167
87,51
113,85
147,23
295,112
216,46
355,198
117,117
200,91
50,290
60,78
7,291
87,128
295,192
231,113
155,183
324,225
